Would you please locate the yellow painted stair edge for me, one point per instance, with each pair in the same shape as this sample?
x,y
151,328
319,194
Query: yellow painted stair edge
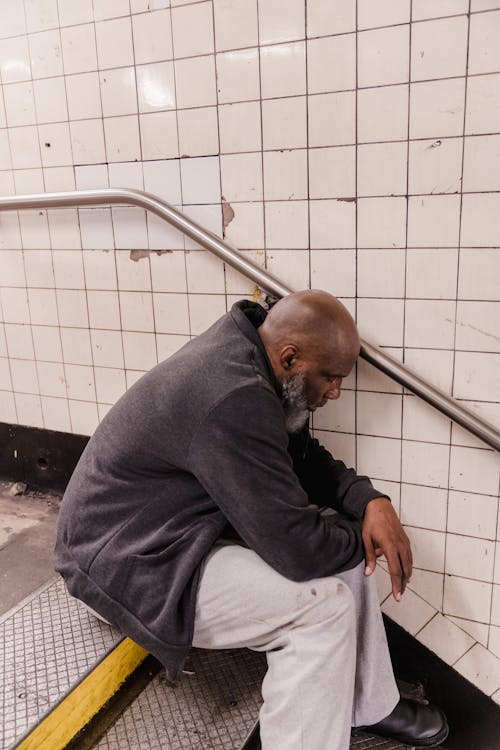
x,y
57,728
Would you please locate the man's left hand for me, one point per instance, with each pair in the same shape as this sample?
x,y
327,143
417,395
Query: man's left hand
x,y
384,535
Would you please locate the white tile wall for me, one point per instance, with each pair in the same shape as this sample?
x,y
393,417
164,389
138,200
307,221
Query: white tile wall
x,y
356,151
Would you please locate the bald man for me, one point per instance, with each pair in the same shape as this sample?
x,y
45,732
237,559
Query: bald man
x,y
203,512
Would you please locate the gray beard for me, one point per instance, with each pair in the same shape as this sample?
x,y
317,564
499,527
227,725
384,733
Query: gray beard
x,y
294,401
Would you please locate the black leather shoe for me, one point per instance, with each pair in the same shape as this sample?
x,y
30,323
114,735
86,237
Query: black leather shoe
x,y
413,724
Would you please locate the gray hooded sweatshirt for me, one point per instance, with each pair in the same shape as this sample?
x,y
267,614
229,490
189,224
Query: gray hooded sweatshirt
x,y
195,450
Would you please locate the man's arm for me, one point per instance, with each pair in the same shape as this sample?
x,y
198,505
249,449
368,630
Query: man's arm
x,y
328,482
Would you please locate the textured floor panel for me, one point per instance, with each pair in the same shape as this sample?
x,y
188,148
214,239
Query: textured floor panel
x,y
47,645
214,708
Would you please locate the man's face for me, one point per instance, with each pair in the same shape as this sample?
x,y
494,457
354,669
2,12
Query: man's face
x,y
313,382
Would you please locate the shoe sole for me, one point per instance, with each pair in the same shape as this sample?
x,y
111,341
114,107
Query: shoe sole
x,y
433,741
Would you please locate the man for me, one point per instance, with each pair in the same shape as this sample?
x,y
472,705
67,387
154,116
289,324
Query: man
x,y
194,517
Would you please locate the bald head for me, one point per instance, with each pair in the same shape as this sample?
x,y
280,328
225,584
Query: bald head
x,y
315,322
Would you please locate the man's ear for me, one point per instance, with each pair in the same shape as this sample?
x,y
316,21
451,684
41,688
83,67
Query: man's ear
x,y
288,356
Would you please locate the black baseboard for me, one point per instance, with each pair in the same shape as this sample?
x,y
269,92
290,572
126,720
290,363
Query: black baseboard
x,y
46,459
43,459
474,718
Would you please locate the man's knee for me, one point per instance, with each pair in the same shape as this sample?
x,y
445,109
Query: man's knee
x,y
323,599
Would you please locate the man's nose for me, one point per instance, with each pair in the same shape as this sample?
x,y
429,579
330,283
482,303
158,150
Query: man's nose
x,y
333,392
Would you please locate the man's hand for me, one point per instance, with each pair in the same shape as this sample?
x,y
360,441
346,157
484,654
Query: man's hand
x,y
384,535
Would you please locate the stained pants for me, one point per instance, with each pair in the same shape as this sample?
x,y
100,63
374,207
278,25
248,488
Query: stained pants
x,y
327,655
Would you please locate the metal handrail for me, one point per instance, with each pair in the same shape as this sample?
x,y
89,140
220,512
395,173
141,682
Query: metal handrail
x,y
230,255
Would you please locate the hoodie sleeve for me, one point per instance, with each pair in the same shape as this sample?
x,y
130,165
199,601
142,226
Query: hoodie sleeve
x,y
239,454
328,481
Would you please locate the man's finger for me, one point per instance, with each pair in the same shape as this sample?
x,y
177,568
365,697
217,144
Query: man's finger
x,y
370,557
396,574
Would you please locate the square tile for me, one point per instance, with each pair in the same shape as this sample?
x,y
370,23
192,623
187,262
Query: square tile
x,y
382,169
437,108
55,144
90,177
482,163
45,53
424,467
136,311
13,273
332,223
383,114
15,64
107,348
19,341
84,417
205,273
193,30
432,364
423,508
122,138
24,148
334,271
283,70
38,267
469,557
286,224
246,230
43,308
378,414
13,18
55,414
80,382
126,175
110,9
284,123
76,346
159,139
483,104
332,119
162,178
240,127
71,13
238,75
47,343
241,177
168,272
68,269
430,58
104,310
235,24
200,180
435,166
379,457
195,82
34,230
325,18
484,53
114,43
381,222
100,269
430,325
331,64
285,174
478,324
373,13
118,91
28,181
481,667
480,226
381,273
429,586
274,26
79,51
19,104
29,411
162,236
472,514
50,100
479,273
171,313
109,384
433,221
204,310
381,321
474,470
383,56
332,172
152,36
445,639
96,228
41,15
5,157
198,131
87,142
72,308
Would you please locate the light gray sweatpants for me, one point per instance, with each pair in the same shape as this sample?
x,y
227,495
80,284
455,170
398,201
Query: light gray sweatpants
x,y
328,661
